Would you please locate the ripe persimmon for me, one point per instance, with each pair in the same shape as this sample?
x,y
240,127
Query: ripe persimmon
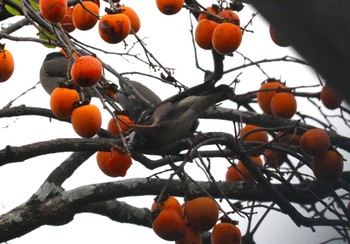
x,y
289,138
204,33
123,122
315,142
67,21
328,167
119,163
7,65
169,225
62,101
273,158
329,98
260,136
201,213
86,120
227,37
168,202
253,136
114,28
226,233
230,16
102,160
232,174
214,9
53,10
86,71
265,94
283,105
97,2
169,7
192,236
244,173
276,37
133,17
85,17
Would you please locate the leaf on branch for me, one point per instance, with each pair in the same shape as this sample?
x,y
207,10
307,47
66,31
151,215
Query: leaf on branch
x,y
35,5
12,10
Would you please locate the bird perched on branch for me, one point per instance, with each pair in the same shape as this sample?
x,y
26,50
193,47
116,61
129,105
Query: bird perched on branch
x,y
136,98
177,117
54,69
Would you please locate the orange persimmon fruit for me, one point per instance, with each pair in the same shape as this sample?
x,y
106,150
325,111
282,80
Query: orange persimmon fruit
x,y
133,17
201,213
86,71
119,163
244,173
168,202
85,17
232,174
289,138
7,65
315,141
329,98
192,236
67,21
328,167
273,158
169,7
283,105
276,37
86,120
102,160
123,122
226,233
214,9
227,37
53,10
63,101
204,33
230,16
249,134
266,92
114,28
97,2
169,225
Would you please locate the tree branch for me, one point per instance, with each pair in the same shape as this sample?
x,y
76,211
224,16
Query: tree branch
x,y
60,208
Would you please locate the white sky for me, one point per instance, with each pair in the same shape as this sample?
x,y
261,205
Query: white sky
x,y
168,38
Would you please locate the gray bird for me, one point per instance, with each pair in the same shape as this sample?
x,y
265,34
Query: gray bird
x,y
53,70
176,118
135,98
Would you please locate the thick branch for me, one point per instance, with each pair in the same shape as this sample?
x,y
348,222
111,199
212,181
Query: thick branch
x,y
17,154
60,208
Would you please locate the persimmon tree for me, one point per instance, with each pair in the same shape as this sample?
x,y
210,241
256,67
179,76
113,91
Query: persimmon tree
x,y
278,156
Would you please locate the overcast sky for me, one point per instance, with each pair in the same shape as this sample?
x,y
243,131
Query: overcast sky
x,y
169,39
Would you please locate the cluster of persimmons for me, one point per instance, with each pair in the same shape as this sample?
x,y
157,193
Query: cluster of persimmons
x,y
276,99
113,27
184,223
86,119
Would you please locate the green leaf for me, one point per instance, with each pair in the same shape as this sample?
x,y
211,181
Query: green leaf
x,y
47,36
35,5
11,10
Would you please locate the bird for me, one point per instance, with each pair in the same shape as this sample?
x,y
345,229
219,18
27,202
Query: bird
x,y
54,70
176,118
136,98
